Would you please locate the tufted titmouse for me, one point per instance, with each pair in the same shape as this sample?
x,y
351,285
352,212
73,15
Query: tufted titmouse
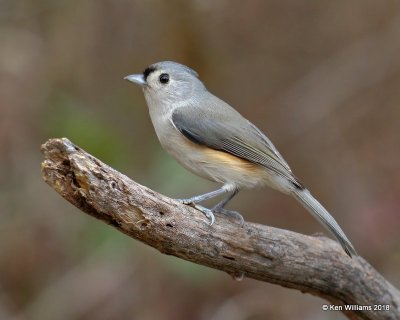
x,y
211,139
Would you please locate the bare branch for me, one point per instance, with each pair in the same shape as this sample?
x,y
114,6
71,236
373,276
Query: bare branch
x,y
315,265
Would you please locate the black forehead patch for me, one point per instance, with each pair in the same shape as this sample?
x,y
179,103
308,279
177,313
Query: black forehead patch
x,y
147,71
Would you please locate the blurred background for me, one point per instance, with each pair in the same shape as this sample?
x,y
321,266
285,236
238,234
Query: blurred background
x,y
321,79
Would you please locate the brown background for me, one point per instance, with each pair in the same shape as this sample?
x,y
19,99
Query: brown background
x,y
321,78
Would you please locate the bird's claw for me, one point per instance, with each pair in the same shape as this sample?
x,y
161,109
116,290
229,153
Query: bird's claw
x,y
229,213
207,212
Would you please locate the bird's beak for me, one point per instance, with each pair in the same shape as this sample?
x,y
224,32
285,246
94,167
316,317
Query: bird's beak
x,y
136,78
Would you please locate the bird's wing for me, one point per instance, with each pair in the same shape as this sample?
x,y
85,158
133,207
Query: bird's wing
x,y
234,135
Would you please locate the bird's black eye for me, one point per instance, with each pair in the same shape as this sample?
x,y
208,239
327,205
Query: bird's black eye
x,y
164,78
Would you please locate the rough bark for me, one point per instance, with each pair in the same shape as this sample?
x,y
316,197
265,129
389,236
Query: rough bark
x,y
315,265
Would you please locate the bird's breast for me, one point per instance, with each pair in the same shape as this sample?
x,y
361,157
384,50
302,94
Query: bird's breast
x,y
208,163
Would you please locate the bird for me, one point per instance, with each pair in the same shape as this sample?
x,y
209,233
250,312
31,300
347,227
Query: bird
x,y
214,141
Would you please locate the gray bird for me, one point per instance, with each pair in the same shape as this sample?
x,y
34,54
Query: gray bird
x,y
211,139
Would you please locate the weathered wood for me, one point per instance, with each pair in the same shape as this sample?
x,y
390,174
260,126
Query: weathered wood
x,y
315,265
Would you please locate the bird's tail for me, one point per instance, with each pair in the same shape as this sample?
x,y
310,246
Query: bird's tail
x,y
323,216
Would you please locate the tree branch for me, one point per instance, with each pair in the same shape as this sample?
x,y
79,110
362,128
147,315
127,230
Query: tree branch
x,y
315,265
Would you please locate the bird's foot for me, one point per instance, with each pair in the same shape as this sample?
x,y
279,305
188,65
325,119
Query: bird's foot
x,y
207,212
229,213
189,201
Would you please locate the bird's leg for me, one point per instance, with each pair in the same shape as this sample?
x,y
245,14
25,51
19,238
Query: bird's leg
x,y
219,208
195,200
203,197
224,202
